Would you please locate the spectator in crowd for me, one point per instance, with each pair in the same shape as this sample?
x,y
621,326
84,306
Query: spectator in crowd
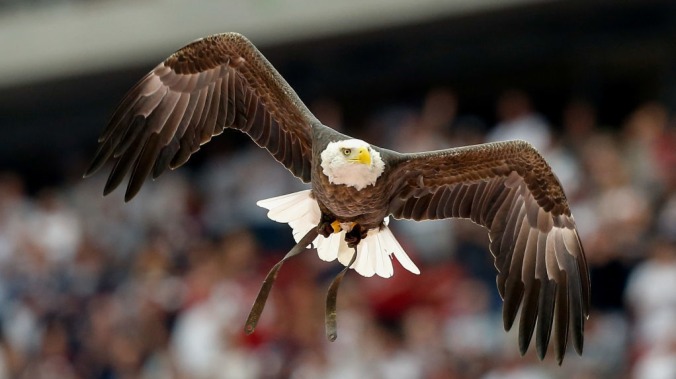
x,y
518,120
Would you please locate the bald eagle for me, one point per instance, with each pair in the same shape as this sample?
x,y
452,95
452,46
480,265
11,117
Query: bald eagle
x,y
223,81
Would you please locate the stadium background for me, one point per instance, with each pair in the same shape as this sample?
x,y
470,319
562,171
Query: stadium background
x,y
91,287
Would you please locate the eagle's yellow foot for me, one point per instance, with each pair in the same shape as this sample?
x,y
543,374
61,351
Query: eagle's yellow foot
x,y
327,227
336,226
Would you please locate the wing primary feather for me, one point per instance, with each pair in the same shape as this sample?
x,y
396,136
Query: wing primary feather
x,y
498,204
575,292
225,98
232,105
296,157
420,207
497,232
265,137
126,106
458,195
488,198
450,207
576,313
586,283
187,116
433,205
167,134
199,114
221,115
532,210
513,294
165,119
408,206
284,147
143,166
206,114
276,139
504,209
122,166
147,105
545,316
465,205
504,254
561,318
103,153
442,208
240,103
251,108
257,128
516,216
119,123
574,248
145,108
184,151
207,129
529,313
514,275
165,156
306,165
477,203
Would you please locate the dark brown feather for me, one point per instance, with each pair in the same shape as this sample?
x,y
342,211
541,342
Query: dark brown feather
x,y
545,317
217,82
508,188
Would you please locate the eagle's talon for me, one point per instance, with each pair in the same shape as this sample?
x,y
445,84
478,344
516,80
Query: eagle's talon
x,y
354,236
326,226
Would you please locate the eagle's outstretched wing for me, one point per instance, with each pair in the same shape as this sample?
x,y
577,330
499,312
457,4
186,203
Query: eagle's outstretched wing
x,y
217,82
508,188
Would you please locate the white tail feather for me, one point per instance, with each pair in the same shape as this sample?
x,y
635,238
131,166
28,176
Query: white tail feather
x,y
302,213
392,245
328,248
297,209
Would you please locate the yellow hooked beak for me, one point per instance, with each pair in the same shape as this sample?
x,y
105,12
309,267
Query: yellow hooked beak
x,y
364,156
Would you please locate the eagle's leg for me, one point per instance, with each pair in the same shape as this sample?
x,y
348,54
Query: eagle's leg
x,y
328,225
262,297
331,298
354,236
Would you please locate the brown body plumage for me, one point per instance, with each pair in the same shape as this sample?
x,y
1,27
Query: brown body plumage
x,y
223,81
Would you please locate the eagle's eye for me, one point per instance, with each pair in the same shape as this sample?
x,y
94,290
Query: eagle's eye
x,y
347,152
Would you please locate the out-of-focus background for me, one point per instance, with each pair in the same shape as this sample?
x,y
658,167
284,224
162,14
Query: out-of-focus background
x,y
91,287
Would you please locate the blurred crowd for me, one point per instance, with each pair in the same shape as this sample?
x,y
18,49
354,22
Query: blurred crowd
x,y
91,287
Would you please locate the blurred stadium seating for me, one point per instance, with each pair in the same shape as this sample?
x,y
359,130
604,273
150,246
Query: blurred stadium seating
x,y
91,287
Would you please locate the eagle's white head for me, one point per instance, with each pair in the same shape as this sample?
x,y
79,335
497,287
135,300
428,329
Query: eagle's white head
x,y
352,162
